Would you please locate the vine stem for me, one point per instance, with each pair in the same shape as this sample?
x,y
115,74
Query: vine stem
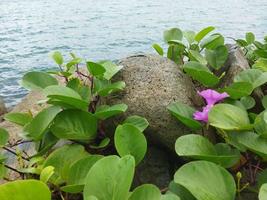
x,y
13,169
14,153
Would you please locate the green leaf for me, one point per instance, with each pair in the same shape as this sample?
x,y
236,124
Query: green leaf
x,y
263,192
201,34
158,49
104,88
229,117
78,172
253,76
111,69
104,111
139,122
169,196
95,69
18,118
40,123
172,34
4,136
260,124
212,42
238,89
206,181
180,191
47,142
46,173
248,102
66,95
104,143
217,57
24,190
58,58
62,159
73,62
254,143
146,192
75,125
38,80
184,113
110,178
190,36
264,101
3,170
178,43
250,37
201,73
196,56
261,53
261,64
199,147
130,141
175,53
241,42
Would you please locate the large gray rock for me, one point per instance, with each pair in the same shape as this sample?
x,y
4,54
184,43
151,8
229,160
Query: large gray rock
x,y
152,83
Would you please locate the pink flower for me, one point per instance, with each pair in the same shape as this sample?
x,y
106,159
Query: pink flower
x,y
212,97
203,115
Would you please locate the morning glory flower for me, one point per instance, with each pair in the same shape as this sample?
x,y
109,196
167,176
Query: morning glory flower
x,y
203,115
212,97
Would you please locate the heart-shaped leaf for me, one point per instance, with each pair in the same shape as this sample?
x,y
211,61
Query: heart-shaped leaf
x,y
66,95
58,58
199,147
248,102
38,80
217,57
139,122
18,118
238,89
146,192
201,34
229,117
261,64
263,192
109,178
40,123
201,73
254,143
172,34
184,113
105,111
24,190
78,172
253,76
196,56
130,141
190,36
213,41
206,181
260,124
111,69
62,159
95,69
75,125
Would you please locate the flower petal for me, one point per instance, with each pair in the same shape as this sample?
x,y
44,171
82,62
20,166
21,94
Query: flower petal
x,y
203,115
212,96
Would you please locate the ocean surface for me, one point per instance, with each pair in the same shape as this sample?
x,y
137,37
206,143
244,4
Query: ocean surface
x,y
106,29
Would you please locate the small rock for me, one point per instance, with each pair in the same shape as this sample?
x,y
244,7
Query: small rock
x,y
235,64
